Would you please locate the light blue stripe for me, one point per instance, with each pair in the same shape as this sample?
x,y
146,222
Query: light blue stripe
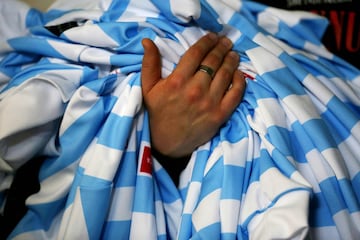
x,y
115,131
204,233
319,215
40,46
117,230
302,138
126,174
39,217
230,188
349,196
83,130
208,18
213,179
285,33
320,134
355,185
144,200
333,195
283,164
169,192
115,10
283,83
280,138
95,198
344,114
34,70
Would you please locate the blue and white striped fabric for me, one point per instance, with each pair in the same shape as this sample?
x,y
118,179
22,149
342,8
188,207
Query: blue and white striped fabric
x,y
285,166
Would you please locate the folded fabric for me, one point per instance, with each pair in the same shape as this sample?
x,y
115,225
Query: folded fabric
x,y
284,166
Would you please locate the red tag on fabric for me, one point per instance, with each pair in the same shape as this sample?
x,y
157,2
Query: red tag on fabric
x,y
248,76
146,163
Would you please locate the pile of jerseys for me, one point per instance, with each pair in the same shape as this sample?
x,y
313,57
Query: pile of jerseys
x,y
285,165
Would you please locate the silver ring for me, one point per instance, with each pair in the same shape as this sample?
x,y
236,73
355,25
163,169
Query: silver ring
x,y
207,70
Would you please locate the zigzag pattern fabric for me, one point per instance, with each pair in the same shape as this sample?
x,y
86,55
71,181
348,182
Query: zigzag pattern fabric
x,y
285,166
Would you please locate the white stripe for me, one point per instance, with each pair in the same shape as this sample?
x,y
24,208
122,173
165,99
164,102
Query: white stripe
x,y
143,226
68,50
102,162
95,55
268,21
350,156
297,177
202,217
318,165
330,232
85,35
355,131
260,195
173,216
272,63
186,9
347,225
89,14
287,219
336,162
271,112
121,204
302,107
70,5
318,89
307,173
192,197
138,11
229,215
3,79
266,43
129,102
236,154
214,157
82,101
291,18
54,187
318,50
73,225
160,218
274,183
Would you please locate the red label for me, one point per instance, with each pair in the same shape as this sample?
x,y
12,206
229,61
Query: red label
x,y
248,76
146,163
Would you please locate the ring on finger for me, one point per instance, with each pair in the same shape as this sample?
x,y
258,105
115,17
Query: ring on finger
x,y
207,69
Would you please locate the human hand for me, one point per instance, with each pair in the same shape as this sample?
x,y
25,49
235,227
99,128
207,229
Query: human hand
x,y
187,108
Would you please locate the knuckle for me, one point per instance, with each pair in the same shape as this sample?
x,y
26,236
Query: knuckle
x,y
197,51
225,73
206,105
175,81
194,94
213,59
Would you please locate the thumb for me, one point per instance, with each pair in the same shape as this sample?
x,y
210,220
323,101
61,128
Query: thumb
x,y
151,65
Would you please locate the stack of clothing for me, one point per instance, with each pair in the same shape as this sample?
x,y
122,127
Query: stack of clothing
x,y
284,166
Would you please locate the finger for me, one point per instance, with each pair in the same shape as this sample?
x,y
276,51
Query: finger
x,y
151,66
215,57
234,95
192,58
224,76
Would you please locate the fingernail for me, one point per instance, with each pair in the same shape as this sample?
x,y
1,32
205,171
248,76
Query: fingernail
x,y
227,42
212,36
234,55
